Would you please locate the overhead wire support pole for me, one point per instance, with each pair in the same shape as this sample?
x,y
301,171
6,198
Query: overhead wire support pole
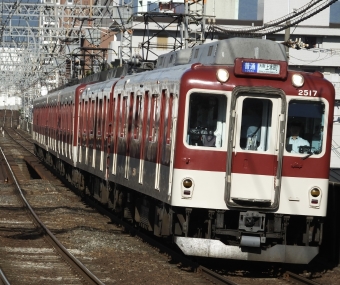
x,y
195,11
126,33
186,24
161,30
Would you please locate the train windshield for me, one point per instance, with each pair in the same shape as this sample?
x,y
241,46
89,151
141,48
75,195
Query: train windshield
x,y
305,127
207,118
256,124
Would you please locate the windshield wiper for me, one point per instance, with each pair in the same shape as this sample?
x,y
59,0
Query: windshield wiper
x,y
308,155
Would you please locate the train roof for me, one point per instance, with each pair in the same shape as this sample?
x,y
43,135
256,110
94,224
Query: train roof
x,y
224,52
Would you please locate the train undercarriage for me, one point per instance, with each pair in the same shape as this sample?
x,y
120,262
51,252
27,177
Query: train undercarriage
x,y
235,234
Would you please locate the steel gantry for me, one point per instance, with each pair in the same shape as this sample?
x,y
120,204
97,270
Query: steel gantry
x,y
46,43
38,38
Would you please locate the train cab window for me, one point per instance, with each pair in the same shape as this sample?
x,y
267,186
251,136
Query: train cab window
x,y
255,124
305,127
207,119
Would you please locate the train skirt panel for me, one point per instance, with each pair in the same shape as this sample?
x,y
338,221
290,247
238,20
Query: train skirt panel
x,y
217,249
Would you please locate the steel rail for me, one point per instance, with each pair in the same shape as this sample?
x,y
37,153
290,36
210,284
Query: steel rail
x,y
7,132
3,278
66,255
214,277
301,280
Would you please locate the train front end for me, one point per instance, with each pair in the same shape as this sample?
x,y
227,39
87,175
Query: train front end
x,y
251,166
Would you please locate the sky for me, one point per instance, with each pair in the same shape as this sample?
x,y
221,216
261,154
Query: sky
x,y
335,13
247,10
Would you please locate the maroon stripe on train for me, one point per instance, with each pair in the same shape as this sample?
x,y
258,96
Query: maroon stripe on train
x,y
257,164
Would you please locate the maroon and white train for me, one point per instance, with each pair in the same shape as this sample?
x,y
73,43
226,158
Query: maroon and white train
x,y
200,149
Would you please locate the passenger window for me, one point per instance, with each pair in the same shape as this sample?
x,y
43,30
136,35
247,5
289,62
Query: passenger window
x,y
207,120
256,124
137,118
305,127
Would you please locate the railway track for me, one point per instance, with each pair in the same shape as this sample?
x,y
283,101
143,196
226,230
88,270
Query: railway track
x,y
209,274
103,247
41,242
297,279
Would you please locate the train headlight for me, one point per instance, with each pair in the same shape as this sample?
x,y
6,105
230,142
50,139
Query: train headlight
x,y
297,80
187,183
314,198
222,75
315,192
187,188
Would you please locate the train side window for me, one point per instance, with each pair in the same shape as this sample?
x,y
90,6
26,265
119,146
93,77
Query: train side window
x,y
305,127
130,116
207,120
153,112
124,119
99,118
117,117
91,116
69,117
137,118
256,124
80,116
169,119
104,115
85,117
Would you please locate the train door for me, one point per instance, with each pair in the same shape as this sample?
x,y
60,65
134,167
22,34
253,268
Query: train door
x,y
59,130
110,132
55,126
80,128
70,129
91,124
122,139
255,148
46,124
160,137
50,128
103,130
128,131
99,132
145,112
94,128
116,120
63,127
85,141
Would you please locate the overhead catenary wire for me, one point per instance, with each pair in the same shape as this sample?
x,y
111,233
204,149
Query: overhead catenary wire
x,y
77,28
274,27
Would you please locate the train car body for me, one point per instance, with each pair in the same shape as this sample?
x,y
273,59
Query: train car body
x,y
203,149
9,118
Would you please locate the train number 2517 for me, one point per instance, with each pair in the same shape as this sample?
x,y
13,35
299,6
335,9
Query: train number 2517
x,y
308,93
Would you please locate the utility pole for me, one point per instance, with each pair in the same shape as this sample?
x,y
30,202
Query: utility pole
x,y
287,32
123,25
194,26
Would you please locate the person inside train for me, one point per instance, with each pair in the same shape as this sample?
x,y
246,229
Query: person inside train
x,y
209,139
295,142
250,126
